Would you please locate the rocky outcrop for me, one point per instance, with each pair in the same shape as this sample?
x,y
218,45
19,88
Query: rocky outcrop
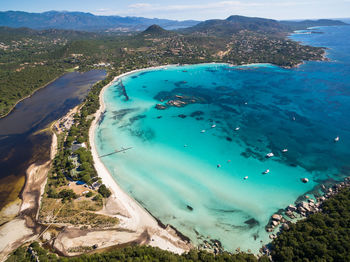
x,y
303,208
160,107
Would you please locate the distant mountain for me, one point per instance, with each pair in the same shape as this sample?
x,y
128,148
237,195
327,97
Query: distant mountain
x,y
9,33
156,30
85,21
345,20
235,23
298,25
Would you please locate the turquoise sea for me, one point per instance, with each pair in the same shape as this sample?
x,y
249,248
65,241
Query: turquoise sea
x,y
194,180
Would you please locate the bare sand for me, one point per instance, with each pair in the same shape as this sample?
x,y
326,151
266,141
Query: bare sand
x,y
24,228
132,215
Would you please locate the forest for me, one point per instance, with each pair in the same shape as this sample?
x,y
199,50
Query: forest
x,y
30,59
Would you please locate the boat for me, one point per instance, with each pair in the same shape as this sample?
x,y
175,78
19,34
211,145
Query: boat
x,y
237,128
284,150
293,118
185,145
268,155
203,131
218,166
213,126
304,180
246,177
336,139
266,171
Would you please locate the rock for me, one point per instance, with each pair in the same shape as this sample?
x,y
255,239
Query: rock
x,y
290,214
189,208
46,236
274,223
306,206
285,226
160,107
291,208
301,209
276,217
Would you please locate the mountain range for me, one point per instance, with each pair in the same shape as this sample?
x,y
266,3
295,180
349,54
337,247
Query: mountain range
x,y
85,21
88,22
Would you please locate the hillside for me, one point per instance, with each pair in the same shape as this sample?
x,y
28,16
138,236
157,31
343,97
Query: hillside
x,y
156,30
298,25
85,21
234,24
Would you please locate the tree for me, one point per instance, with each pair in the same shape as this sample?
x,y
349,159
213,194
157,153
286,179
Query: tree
x,y
104,191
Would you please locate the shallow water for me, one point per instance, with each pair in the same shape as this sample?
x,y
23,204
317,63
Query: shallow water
x,y
172,168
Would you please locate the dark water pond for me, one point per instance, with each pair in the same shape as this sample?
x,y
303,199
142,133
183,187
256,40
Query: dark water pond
x,y
20,143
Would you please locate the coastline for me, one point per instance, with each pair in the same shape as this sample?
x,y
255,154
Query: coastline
x,y
24,226
137,218
31,94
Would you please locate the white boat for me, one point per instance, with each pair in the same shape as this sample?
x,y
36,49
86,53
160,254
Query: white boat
x,y
237,128
304,180
293,118
268,155
284,150
203,131
266,171
336,139
213,126
246,177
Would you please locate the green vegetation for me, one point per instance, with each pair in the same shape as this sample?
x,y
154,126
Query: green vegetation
x,y
321,237
254,48
30,59
132,253
104,191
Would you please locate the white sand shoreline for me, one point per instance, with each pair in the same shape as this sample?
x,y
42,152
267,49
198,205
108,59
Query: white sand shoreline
x,y
138,219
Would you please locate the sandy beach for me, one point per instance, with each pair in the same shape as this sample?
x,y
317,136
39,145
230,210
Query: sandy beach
x,y
135,218
24,227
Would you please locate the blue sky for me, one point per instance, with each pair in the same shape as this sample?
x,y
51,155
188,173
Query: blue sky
x,y
191,9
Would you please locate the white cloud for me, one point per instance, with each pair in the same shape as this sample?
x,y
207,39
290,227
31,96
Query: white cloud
x,y
277,9
140,5
219,6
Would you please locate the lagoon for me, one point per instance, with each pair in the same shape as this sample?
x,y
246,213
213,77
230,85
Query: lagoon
x,y
22,143
194,180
